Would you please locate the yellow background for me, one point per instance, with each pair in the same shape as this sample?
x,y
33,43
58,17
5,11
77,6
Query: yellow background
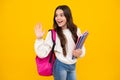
x,y
100,17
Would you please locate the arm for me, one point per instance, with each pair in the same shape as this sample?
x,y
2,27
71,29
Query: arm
x,y
79,52
42,47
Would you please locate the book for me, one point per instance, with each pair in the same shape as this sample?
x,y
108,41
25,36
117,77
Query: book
x,y
81,41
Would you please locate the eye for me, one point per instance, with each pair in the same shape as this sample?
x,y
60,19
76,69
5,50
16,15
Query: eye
x,y
62,15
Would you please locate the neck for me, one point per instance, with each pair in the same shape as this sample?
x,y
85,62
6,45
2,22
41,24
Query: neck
x,y
64,27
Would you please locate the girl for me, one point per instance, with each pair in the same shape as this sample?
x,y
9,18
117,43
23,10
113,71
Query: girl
x,y
67,34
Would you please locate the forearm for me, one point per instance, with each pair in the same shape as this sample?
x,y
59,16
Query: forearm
x,y
41,48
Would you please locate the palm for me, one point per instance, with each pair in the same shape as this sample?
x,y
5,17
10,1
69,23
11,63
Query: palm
x,y
38,31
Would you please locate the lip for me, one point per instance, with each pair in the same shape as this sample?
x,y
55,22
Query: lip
x,y
59,22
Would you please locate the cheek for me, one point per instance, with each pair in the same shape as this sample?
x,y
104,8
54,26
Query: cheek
x,y
55,18
65,19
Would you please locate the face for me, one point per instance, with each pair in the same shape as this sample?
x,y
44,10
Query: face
x,y
60,19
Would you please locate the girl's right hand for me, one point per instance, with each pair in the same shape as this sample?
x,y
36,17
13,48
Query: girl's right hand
x,y
38,31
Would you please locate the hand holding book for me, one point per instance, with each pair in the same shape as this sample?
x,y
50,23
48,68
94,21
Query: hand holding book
x,y
77,52
81,41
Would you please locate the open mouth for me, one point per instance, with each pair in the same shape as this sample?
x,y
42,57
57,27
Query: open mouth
x,y
59,22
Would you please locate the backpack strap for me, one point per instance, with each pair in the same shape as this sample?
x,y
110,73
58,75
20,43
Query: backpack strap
x,y
53,35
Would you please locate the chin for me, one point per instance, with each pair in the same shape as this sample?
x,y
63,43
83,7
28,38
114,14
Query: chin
x,y
60,25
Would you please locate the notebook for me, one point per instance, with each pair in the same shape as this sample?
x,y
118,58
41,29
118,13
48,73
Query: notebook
x,y
81,41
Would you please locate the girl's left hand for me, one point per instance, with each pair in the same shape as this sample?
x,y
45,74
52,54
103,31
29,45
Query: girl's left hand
x,y
77,52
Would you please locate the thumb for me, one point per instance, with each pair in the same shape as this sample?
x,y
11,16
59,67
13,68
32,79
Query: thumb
x,y
43,32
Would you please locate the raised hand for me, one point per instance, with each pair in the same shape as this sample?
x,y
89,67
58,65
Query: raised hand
x,y
38,31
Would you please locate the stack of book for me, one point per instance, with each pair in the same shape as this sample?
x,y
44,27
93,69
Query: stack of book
x,y
81,41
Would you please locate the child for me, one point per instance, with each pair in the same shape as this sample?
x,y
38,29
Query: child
x,y
67,34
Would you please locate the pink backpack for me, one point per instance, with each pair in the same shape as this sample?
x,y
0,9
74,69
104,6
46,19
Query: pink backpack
x,y
45,65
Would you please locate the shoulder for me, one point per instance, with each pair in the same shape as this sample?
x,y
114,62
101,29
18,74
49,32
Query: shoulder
x,y
78,31
51,32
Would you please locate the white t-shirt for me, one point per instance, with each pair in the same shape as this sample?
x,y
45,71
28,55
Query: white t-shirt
x,y
43,47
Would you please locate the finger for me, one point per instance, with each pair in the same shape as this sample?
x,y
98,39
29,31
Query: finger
x,y
73,51
40,27
36,26
44,31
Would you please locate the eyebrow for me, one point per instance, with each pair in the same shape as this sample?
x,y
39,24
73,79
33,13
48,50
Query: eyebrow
x,y
60,13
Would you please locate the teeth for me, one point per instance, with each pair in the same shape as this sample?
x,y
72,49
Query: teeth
x,y
59,21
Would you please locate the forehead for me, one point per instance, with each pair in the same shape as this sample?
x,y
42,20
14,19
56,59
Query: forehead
x,y
59,11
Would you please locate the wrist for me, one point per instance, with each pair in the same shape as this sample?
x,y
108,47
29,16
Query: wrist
x,y
39,38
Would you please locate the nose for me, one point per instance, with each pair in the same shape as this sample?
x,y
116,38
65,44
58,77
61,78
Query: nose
x,y
58,17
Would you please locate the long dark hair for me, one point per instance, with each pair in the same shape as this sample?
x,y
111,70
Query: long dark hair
x,y
70,25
